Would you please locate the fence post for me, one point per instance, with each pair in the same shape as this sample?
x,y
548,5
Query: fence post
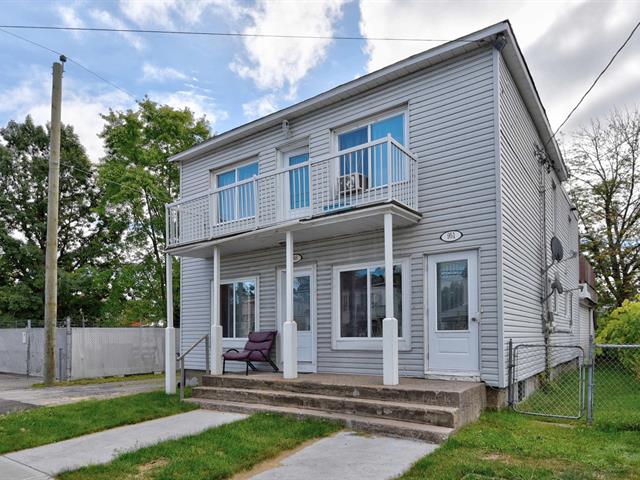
x,y
590,385
510,374
60,363
67,357
28,347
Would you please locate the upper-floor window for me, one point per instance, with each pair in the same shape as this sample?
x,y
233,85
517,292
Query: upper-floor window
x,y
371,162
236,196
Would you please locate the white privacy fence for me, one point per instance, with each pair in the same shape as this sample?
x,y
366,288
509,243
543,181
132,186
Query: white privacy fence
x,y
85,352
378,171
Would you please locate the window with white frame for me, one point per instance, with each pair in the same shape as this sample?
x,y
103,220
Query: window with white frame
x,y
238,308
372,162
236,198
361,300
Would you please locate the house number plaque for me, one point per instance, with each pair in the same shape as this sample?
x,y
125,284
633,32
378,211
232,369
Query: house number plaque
x,y
451,236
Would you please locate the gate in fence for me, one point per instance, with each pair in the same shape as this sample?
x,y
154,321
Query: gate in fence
x,y
564,381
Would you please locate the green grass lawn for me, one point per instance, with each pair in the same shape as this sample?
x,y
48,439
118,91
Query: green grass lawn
x,y
215,454
51,424
92,381
509,445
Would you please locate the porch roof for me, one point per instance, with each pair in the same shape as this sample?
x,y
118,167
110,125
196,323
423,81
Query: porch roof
x,y
354,221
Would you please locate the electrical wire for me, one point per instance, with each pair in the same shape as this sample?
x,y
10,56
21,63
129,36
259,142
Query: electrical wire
x,y
624,44
88,70
234,34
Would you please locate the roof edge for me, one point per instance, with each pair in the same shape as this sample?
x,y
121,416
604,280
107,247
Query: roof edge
x,y
366,81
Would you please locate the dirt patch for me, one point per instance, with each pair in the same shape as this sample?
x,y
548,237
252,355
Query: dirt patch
x,y
146,469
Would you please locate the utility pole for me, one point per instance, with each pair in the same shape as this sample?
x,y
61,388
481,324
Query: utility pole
x,y
51,259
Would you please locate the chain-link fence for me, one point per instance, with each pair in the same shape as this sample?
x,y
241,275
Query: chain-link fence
x,y
601,385
548,380
615,386
62,323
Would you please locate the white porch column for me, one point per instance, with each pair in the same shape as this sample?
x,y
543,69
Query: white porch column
x,y
169,333
216,328
390,323
290,328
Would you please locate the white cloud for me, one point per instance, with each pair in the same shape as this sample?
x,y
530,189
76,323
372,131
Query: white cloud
x,y
80,108
167,13
260,107
559,41
161,74
442,20
106,19
198,103
279,63
70,18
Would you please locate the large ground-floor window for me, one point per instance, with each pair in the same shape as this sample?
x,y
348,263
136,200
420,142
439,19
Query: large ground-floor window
x,y
359,302
238,308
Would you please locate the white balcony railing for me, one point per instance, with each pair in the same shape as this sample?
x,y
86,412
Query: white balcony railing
x,y
376,172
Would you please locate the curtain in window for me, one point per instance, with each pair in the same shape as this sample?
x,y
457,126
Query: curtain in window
x,y
237,202
453,295
299,182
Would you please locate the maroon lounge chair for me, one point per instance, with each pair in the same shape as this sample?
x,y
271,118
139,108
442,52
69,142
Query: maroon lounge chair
x,y
257,349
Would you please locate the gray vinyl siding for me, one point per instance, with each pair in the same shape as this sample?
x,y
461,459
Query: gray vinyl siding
x,y
522,242
451,129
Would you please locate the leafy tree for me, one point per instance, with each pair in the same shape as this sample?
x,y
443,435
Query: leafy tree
x,y
138,180
605,187
622,326
83,236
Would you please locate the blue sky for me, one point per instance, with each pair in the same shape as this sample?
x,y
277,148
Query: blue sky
x,y
234,80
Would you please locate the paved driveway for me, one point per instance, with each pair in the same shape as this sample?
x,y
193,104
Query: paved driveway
x,y
16,392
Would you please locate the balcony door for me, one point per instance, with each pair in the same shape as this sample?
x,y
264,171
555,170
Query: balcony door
x,y
297,188
236,196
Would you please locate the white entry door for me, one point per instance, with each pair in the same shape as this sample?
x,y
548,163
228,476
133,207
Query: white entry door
x,y
304,314
453,316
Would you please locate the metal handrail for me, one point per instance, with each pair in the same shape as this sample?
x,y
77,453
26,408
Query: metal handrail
x,y
181,357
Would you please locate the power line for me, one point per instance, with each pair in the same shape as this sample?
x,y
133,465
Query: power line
x,y
234,34
624,44
97,75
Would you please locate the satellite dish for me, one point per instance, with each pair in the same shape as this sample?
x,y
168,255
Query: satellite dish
x,y
556,249
557,284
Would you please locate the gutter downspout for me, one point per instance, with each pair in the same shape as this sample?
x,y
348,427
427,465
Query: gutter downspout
x,y
546,327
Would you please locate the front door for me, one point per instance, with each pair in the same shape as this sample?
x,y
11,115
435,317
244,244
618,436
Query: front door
x,y
452,312
304,314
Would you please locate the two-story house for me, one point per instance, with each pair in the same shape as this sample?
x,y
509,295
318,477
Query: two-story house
x,y
395,226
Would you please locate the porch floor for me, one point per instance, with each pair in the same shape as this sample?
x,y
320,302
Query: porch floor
x,y
347,380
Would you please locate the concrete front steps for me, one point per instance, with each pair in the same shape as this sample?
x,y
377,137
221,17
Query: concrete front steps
x,y
429,410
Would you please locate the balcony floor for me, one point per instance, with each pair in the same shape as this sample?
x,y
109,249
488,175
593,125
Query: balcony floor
x,y
349,222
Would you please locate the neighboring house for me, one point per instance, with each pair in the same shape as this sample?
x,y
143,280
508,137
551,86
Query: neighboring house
x,y
441,167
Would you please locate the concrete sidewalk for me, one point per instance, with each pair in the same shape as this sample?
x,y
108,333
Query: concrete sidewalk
x,y
49,460
16,392
349,456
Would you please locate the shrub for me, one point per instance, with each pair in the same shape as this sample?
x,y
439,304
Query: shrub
x,y
623,327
